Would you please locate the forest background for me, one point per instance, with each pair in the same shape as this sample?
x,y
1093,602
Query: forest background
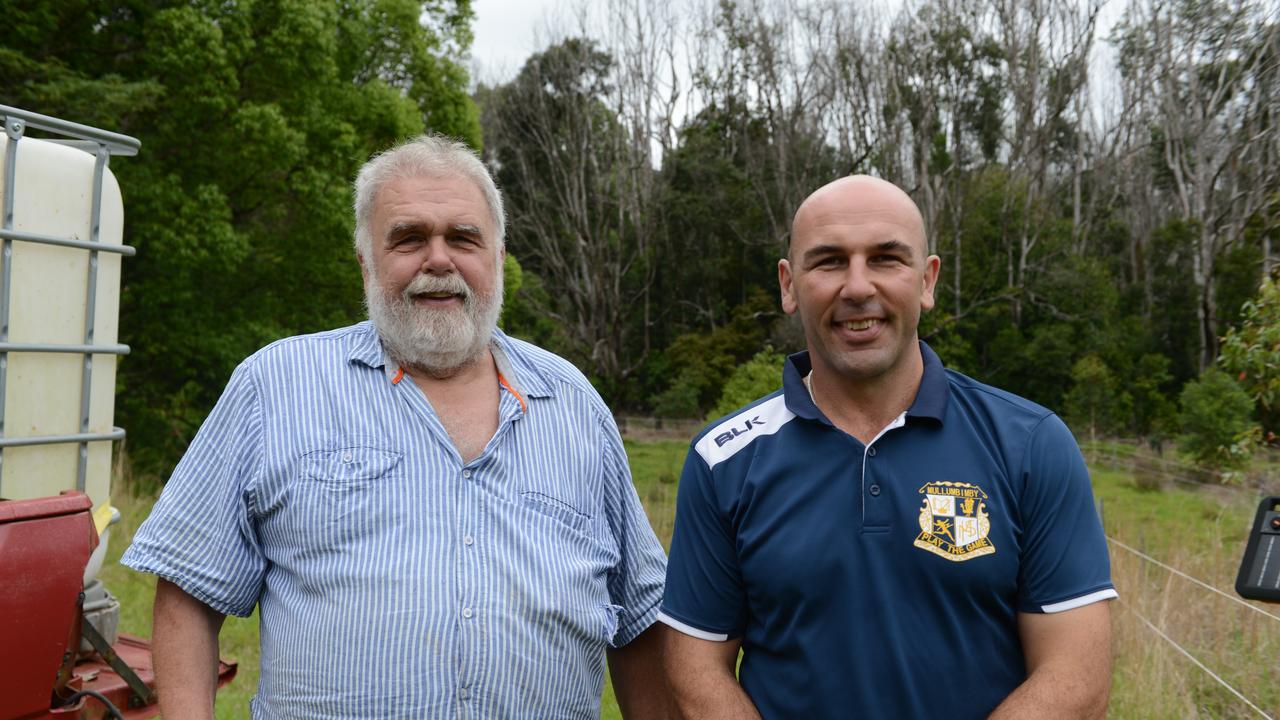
x,y
1106,201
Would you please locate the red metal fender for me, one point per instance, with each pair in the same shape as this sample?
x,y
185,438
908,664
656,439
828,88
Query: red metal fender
x,y
44,546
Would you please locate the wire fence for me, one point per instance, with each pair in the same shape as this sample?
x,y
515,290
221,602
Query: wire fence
x,y
1152,468
1215,676
635,427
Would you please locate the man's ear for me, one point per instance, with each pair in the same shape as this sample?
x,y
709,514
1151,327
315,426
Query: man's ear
x,y
786,287
932,264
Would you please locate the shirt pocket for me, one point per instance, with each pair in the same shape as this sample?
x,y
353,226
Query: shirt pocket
x,y
349,468
555,508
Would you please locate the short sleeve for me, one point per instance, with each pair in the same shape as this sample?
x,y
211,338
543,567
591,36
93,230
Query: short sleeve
x,y
635,583
200,534
704,595
1064,560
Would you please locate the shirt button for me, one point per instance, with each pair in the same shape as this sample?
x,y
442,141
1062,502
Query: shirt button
x,y
466,613
871,451
874,490
468,540
463,694
346,457
466,474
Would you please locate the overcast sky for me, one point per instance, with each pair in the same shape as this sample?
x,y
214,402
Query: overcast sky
x,y
506,33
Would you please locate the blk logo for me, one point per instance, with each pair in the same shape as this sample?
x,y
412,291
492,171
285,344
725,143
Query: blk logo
x,y
732,433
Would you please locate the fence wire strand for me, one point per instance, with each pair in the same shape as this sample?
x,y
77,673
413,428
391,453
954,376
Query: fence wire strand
x,y
1198,664
1201,583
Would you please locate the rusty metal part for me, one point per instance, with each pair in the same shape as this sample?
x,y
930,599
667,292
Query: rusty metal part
x,y
145,694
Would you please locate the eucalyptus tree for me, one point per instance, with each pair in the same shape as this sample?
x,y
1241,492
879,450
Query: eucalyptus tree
x,y
567,166
1202,74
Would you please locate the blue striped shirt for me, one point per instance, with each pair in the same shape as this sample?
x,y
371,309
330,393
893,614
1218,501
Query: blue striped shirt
x,y
393,579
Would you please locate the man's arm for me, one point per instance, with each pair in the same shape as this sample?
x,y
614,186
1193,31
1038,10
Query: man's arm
x,y
184,648
702,677
636,671
1068,666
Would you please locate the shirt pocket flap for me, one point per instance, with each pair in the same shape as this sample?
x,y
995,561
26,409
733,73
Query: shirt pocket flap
x,y
349,464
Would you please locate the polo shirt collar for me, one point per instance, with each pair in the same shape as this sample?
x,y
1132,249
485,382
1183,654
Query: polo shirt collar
x,y
524,377
931,398
930,401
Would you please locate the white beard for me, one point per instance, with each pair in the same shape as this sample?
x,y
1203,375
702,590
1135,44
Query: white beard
x,y
438,341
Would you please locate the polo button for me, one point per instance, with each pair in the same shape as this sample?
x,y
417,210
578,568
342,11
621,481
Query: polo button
x,y
466,474
871,451
466,613
874,490
467,540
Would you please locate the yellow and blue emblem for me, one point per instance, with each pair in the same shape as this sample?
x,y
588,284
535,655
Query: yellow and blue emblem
x,y
953,522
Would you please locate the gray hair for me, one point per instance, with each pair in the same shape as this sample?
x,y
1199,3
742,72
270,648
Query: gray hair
x,y
424,156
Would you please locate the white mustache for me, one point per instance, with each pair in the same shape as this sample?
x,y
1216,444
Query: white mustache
x,y
438,283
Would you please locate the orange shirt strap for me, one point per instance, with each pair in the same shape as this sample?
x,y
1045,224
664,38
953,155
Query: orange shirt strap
x,y
503,381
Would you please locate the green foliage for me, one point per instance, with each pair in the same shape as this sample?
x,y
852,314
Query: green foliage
x,y
680,399
1172,321
1093,401
253,117
1215,421
1154,414
700,363
1251,353
750,381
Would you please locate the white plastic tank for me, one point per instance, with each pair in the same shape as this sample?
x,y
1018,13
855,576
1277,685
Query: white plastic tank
x,y
48,304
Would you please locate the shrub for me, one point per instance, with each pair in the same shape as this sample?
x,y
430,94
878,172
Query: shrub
x,y
1215,420
750,381
1093,401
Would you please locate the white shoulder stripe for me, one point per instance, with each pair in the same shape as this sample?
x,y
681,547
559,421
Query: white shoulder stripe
x,y
730,436
1081,601
691,630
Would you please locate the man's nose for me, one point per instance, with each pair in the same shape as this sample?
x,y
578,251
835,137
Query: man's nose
x,y
857,285
438,259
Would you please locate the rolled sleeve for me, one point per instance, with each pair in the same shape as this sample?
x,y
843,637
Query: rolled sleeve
x,y
635,584
200,535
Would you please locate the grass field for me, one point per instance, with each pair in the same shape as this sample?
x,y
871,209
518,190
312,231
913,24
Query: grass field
x,y
1198,530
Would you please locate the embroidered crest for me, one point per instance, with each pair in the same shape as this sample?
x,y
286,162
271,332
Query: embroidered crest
x,y
953,522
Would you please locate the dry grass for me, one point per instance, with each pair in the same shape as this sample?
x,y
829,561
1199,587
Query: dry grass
x,y
1202,534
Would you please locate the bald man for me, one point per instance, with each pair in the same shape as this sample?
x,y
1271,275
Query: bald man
x,y
883,537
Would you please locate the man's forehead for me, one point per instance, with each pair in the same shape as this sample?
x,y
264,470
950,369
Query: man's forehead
x,y
864,226
858,207
455,199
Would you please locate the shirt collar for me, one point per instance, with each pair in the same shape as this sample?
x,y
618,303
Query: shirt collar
x,y
523,376
930,401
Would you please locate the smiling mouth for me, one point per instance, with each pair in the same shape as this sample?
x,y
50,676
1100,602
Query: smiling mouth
x,y
436,296
859,324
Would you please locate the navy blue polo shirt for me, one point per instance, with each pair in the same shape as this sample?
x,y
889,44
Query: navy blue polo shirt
x,y
883,581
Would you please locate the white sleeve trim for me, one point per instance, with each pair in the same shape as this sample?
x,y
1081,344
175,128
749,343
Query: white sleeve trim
x,y
1081,601
690,630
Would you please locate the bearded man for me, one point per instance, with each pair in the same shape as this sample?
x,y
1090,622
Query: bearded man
x,y
433,519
